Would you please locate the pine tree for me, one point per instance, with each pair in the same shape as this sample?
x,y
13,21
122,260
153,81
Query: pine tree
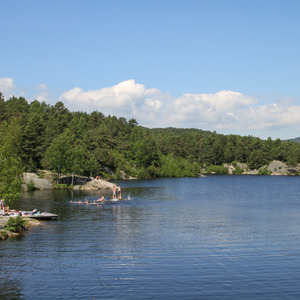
x,y
10,162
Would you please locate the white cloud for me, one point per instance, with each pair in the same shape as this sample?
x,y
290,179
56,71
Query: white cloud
x,y
219,110
7,86
127,99
225,110
272,115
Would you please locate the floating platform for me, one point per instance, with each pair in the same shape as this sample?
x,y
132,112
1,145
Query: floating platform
x,y
41,216
37,216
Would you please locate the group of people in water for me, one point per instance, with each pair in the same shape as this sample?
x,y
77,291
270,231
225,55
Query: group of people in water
x,y
117,195
95,202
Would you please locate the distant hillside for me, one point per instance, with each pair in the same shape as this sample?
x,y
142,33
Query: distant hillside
x,y
50,137
182,131
296,140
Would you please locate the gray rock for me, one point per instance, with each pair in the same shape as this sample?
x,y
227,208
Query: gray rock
x,y
278,168
39,183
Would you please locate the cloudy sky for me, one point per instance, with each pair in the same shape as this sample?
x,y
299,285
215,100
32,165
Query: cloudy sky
x,y
227,65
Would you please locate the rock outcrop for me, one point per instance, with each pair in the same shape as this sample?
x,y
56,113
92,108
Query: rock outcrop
x,y
96,184
45,180
37,182
275,167
242,167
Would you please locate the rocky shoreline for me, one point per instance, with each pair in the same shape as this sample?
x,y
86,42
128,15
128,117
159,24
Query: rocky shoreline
x,y
275,167
46,180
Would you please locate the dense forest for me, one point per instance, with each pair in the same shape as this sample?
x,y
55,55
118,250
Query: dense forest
x,y
41,136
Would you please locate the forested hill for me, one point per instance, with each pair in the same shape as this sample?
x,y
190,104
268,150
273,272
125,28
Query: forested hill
x,y
295,140
53,138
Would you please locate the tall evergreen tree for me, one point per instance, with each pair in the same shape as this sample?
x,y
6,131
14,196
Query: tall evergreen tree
x,y
10,163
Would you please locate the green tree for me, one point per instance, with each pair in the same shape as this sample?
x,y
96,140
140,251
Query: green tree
x,y
58,118
144,148
57,156
10,163
32,136
2,108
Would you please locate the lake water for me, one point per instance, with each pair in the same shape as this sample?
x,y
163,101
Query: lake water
x,y
218,237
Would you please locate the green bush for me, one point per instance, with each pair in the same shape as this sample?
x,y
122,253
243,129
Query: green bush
x,y
234,163
212,169
264,171
62,186
118,175
16,224
31,186
238,170
152,172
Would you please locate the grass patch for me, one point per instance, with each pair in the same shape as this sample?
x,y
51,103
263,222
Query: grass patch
x,y
63,186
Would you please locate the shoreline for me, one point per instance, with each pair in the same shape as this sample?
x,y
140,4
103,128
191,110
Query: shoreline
x,y
46,180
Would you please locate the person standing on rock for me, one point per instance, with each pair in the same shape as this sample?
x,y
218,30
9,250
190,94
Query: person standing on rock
x,y
2,203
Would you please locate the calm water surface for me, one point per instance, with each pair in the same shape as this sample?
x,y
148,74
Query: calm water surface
x,y
219,237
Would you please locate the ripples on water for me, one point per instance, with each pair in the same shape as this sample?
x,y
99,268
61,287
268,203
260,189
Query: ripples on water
x,y
219,237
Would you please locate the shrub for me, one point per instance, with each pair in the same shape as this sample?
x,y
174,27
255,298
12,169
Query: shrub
x,y
16,224
264,171
152,172
216,170
31,186
234,163
238,170
118,175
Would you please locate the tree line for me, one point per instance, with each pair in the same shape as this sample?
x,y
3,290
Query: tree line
x,y
37,135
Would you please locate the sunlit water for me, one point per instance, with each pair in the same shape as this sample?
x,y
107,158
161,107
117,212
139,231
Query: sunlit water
x,y
219,237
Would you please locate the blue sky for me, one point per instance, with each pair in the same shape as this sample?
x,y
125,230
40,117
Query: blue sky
x,y
229,66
